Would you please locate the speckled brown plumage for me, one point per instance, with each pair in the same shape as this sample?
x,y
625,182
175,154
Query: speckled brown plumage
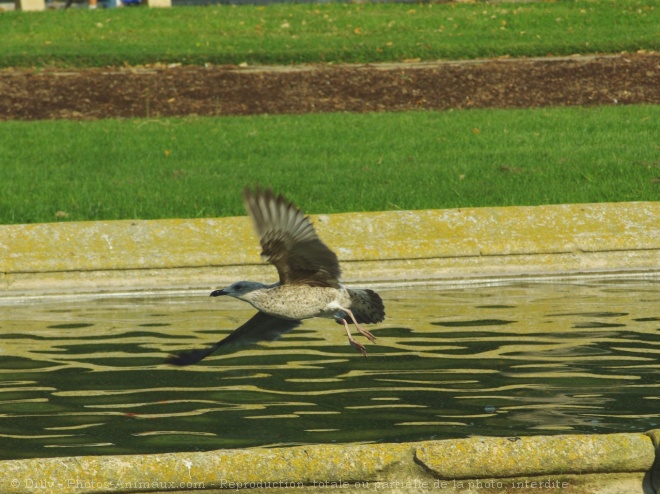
x,y
308,284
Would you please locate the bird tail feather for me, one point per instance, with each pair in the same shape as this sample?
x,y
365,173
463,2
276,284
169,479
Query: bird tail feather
x,y
367,306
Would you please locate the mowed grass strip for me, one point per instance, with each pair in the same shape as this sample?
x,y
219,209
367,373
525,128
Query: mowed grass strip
x,y
197,167
297,33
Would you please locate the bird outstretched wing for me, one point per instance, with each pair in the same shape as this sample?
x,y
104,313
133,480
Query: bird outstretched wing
x,y
289,241
260,327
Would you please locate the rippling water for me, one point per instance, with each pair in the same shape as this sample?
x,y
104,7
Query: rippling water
x,y
86,376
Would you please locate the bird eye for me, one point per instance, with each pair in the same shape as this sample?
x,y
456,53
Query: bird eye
x,y
238,286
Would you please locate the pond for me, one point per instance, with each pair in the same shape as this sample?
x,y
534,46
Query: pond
x,y
85,376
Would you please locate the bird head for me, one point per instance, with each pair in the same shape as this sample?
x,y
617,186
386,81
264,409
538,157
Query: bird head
x,y
239,289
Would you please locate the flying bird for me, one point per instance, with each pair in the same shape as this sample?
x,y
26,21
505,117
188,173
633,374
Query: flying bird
x,y
308,283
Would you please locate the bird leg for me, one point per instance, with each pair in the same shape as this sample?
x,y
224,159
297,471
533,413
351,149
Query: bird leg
x,y
360,348
363,331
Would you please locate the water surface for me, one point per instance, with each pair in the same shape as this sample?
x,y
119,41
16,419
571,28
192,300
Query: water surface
x,y
86,376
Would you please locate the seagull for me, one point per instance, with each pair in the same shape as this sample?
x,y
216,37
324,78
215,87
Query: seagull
x,y
308,283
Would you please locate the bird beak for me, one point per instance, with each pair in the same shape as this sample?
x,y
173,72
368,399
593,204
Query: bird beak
x,y
217,293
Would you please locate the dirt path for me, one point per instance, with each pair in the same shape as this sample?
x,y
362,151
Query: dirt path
x,y
183,90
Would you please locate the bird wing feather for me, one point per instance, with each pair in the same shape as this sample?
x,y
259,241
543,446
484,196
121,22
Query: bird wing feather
x,y
289,241
260,327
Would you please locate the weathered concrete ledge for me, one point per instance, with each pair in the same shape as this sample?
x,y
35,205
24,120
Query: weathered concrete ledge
x,y
455,244
461,244
613,463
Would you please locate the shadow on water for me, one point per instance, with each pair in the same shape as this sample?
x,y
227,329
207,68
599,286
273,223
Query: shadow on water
x,y
87,377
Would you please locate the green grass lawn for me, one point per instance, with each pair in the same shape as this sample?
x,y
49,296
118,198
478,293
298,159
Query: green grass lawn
x,y
193,167
197,167
295,33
